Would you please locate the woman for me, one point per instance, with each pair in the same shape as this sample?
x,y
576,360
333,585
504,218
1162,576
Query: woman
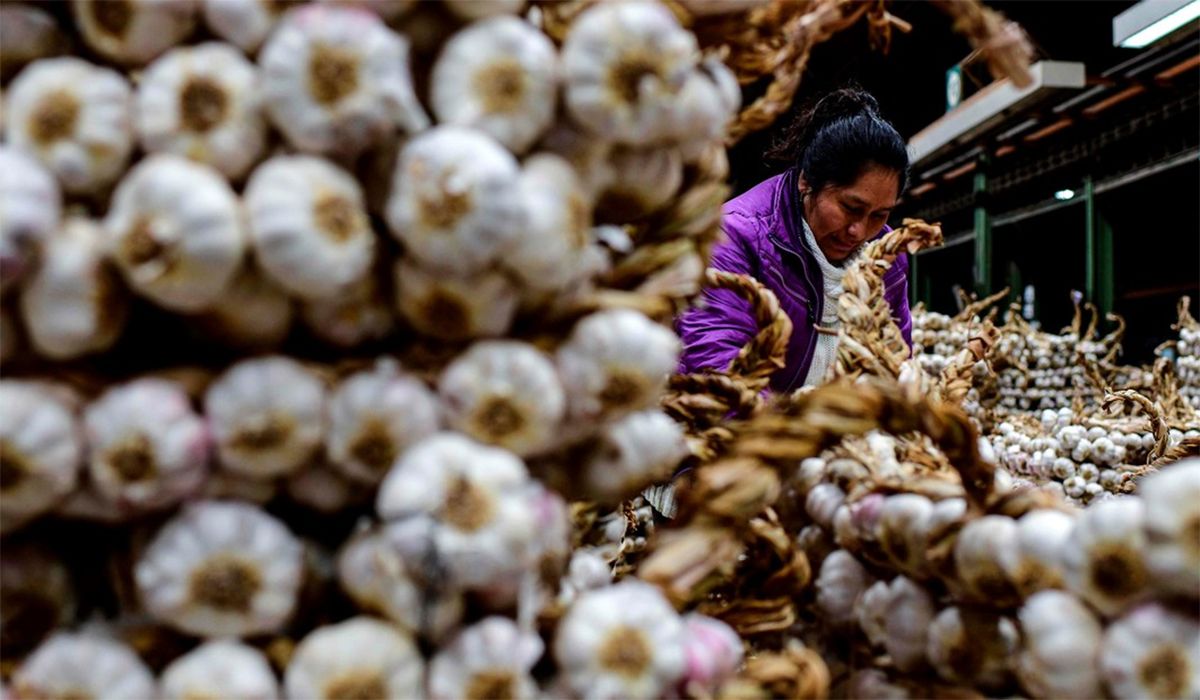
x,y
796,233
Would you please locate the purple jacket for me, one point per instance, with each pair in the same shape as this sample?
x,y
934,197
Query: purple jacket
x,y
764,239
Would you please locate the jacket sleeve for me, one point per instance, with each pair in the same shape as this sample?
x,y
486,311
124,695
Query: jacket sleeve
x,y
721,322
896,293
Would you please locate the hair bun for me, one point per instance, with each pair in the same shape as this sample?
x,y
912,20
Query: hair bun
x,y
840,104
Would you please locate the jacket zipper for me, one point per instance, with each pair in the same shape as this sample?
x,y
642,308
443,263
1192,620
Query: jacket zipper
x,y
815,302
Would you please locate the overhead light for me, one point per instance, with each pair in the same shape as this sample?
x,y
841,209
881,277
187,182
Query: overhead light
x,y
1150,20
1064,195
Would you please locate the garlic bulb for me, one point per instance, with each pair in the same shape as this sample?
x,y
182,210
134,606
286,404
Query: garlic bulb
x,y
645,180
635,451
871,612
986,548
616,361
1062,638
32,206
709,99
1041,541
336,80
455,201
903,531
1103,556
498,76
972,647
482,9
374,416
323,489
624,66
1152,652
490,659
220,669
251,311
127,31
41,447
36,594
473,496
227,485
588,155
203,102
624,641
267,416
448,307
174,230
387,10
309,226
83,665
221,569
148,448
359,658
546,253
822,504
504,393
72,304
839,583
911,610
1172,521
27,33
713,651
362,314
243,23
75,118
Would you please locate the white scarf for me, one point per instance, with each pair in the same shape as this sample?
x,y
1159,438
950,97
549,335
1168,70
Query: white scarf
x,y
825,352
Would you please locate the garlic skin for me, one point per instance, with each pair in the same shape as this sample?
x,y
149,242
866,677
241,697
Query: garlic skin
x,y
1041,541
504,393
871,611
174,231
361,315
621,641
221,568
72,304
986,548
1172,519
1061,638
36,593
222,668
492,658
134,32
499,76
32,206
361,657
1104,555
841,580
148,448
546,253
374,416
82,665
911,610
28,33
448,307
822,504
475,9
308,225
645,180
267,416
972,647
203,102
709,99
713,651
637,450
243,23
336,80
903,531
74,117
251,312
1151,652
588,156
323,489
624,65
474,498
42,448
455,201
614,362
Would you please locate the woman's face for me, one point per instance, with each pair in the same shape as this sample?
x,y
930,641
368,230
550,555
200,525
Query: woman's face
x,y
842,218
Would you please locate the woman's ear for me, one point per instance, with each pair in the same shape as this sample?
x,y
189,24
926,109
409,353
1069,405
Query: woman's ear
x,y
802,184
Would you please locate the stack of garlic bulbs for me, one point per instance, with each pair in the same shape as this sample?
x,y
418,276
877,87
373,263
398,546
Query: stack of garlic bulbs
x,y
1187,355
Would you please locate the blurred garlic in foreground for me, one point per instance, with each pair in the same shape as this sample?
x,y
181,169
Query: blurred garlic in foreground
x,y
713,652
903,531
174,230
221,569
134,32
252,311
490,659
985,550
632,453
359,658
1151,652
1172,525
546,253
481,9
1061,640
1104,555
36,595
841,580
362,314
82,665
243,23
41,446
448,307
644,181
74,117
203,102
910,611
321,488
32,206
972,647
220,669
1041,538
27,33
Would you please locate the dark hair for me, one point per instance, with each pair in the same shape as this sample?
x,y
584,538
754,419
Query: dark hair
x,y
834,141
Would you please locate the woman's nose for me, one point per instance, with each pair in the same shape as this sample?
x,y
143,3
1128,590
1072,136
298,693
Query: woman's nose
x,y
857,230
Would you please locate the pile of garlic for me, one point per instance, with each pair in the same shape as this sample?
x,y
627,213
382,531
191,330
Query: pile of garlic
x,y
1187,363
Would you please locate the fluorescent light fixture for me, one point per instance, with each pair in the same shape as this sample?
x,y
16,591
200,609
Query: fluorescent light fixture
x,y
1064,195
1150,20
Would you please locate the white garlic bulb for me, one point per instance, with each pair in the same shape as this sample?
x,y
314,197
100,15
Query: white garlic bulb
x,y
243,23
713,650
1152,652
504,393
455,201
635,451
972,647
75,118
82,665
174,230
148,448
903,531
1061,639
252,311
871,612
267,416
32,206
624,66
490,659
362,314
841,580
1172,519
545,254
616,361
1104,555
623,640
911,610
336,80
221,568
481,9
222,668
203,102
985,550
128,31
72,304
482,528
449,307
822,503
42,448
1041,538
645,180
321,488
588,155
499,76
374,416
359,658
708,100
308,224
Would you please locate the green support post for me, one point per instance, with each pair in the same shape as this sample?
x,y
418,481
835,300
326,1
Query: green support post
x,y
1098,252
983,233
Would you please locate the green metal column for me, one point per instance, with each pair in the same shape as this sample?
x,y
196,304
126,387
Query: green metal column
x,y
1098,252
983,233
